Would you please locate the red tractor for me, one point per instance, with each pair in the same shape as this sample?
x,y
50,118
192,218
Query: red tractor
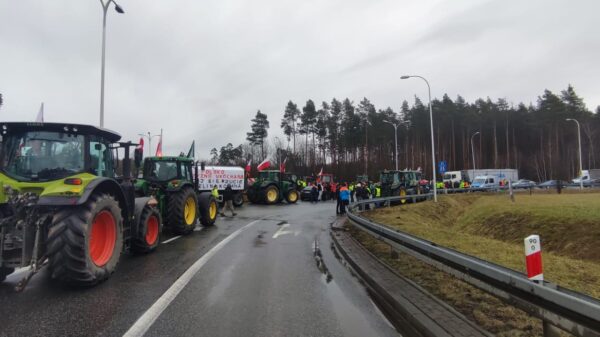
x,y
327,180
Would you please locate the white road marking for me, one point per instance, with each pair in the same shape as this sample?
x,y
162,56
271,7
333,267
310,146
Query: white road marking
x,y
198,229
141,326
282,231
171,239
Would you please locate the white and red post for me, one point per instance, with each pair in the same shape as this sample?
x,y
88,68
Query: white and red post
x,y
533,258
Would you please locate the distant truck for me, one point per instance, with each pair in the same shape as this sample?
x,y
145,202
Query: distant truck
x,y
588,177
223,176
453,178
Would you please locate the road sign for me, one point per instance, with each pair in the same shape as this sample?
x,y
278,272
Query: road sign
x,y
442,167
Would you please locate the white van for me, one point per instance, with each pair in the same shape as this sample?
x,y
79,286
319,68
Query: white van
x,y
485,182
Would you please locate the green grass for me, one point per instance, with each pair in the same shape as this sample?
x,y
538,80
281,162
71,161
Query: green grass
x,y
493,228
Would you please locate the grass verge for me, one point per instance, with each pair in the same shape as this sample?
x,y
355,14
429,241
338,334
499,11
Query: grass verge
x,y
491,227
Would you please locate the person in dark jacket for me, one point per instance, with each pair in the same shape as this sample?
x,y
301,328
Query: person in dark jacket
x,y
228,201
314,193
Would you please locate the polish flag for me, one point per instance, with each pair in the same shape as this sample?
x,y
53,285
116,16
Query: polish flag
x,y
159,148
248,167
282,166
321,173
264,165
141,145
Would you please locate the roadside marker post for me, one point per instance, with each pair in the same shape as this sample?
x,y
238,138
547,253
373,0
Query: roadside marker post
x,y
533,258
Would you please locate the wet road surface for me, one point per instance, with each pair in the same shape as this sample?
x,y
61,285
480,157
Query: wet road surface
x,y
252,275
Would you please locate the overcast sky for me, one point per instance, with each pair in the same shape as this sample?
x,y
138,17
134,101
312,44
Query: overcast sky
x,y
201,69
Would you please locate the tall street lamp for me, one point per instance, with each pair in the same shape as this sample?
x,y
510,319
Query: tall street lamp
x,y
119,10
395,125
367,123
149,136
432,141
580,163
473,153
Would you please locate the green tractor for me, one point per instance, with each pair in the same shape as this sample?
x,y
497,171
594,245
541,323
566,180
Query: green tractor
x,y
63,205
272,187
173,182
401,183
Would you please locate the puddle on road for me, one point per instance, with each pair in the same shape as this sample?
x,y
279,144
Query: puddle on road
x,y
352,320
258,240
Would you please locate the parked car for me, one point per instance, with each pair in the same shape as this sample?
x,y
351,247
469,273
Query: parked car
x,y
524,183
552,184
305,193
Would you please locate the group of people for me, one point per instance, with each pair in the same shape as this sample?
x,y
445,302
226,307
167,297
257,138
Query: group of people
x,y
322,192
447,185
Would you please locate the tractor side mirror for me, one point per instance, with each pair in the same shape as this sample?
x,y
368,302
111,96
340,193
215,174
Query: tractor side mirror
x,y
138,155
202,166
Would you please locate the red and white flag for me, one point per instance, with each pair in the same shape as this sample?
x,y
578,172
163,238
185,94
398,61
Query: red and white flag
x,y
159,148
282,166
248,167
321,173
264,165
141,145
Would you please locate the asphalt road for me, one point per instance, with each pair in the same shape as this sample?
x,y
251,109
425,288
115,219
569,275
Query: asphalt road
x,y
252,275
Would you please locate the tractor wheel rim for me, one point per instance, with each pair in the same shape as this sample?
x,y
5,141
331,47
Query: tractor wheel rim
x,y
293,196
189,211
152,230
103,237
271,195
212,210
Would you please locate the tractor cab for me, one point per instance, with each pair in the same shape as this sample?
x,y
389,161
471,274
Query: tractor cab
x,y
165,172
395,183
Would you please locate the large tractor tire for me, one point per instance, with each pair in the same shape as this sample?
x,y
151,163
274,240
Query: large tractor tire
x,y
271,195
209,208
238,199
292,196
4,272
148,236
85,243
182,211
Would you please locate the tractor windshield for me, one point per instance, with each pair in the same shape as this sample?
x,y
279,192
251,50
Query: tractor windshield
x,y
389,178
42,155
160,170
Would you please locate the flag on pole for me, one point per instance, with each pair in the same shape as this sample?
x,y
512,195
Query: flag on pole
x,y
264,165
321,172
248,167
40,115
159,147
141,145
192,151
282,166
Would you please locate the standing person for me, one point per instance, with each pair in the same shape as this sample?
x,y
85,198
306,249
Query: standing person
x,y
351,188
314,194
344,198
228,201
338,203
320,189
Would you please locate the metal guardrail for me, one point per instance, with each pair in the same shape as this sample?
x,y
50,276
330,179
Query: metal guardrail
x,y
573,312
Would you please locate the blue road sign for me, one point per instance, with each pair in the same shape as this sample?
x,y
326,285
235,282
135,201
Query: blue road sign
x,y
442,167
